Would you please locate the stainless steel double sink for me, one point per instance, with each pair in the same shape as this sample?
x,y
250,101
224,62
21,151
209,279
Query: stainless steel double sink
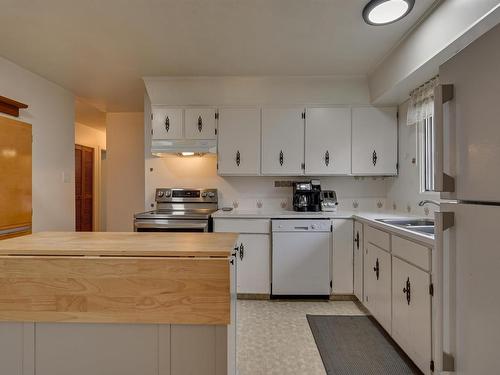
x,y
425,226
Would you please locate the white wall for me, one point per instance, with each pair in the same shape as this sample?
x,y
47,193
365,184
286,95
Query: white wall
x,y
448,29
124,169
51,113
175,171
88,136
403,192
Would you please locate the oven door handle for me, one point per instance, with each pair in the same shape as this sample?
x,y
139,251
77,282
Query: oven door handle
x,y
171,225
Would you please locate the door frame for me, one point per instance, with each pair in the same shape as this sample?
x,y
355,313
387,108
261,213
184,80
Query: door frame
x,y
96,186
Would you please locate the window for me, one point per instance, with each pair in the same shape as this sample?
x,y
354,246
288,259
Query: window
x,y
427,154
420,114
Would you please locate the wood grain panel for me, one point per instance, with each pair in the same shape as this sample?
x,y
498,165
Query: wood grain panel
x,y
115,289
15,173
122,244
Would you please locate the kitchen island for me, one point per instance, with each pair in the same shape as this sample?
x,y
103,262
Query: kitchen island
x,y
117,303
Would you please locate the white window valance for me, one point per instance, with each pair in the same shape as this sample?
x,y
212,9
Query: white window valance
x,y
421,105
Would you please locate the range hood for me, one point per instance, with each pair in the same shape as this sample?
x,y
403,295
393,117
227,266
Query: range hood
x,y
178,146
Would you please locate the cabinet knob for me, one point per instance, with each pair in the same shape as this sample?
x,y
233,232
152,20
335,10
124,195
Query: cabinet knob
x,y
282,157
407,291
200,124
238,158
377,269
242,251
167,124
374,157
327,158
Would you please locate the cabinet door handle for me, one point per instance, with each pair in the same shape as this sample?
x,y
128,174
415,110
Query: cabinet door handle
x,y
327,158
200,124
374,158
377,269
407,291
242,251
282,157
167,124
238,158
356,240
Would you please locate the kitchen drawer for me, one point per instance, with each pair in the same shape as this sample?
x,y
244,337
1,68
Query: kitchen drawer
x,y
412,252
242,225
377,238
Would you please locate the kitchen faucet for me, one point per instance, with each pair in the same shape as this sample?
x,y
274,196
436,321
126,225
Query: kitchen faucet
x,y
421,203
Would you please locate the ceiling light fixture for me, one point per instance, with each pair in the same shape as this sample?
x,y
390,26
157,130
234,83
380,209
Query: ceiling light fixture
x,y
383,12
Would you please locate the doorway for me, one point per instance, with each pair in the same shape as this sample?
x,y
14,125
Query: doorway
x,y
84,188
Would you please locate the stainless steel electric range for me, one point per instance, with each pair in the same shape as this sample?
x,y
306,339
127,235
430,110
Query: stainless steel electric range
x,y
179,210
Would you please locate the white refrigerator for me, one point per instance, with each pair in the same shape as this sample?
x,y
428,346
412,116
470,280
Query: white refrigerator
x,y
467,172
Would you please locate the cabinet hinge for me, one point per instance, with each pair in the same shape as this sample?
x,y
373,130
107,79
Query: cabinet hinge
x,y
331,284
215,131
217,165
151,131
432,366
331,228
216,115
397,167
303,115
397,115
431,289
303,166
151,116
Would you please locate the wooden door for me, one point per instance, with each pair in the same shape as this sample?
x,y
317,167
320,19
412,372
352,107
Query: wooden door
x,y
328,141
84,187
15,178
167,123
239,141
282,141
254,264
199,123
374,141
358,260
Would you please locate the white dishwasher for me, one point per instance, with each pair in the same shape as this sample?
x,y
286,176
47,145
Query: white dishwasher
x,y
301,254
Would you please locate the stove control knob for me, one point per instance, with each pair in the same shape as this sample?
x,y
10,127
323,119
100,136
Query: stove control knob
x,y
168,193
204,194
160,194
211,194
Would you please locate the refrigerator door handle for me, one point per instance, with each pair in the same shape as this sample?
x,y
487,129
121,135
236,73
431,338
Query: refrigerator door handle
x,y
442,181
444,361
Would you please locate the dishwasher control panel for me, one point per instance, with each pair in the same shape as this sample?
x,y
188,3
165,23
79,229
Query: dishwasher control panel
x,y
302,225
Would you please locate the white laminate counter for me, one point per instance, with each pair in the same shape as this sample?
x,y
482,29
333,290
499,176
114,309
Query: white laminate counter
x,y
366,217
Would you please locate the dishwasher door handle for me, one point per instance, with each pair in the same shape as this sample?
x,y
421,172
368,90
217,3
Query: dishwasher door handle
x,y
301,228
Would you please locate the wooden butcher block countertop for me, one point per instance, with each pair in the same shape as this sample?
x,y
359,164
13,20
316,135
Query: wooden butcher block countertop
x,y
171,278
139,244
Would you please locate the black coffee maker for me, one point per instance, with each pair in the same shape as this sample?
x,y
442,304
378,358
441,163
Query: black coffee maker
x,y
307,196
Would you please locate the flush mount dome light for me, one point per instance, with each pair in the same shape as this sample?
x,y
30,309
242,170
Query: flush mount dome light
x,y
383,12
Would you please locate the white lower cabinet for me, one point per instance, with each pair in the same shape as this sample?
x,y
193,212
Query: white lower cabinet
x,y
358,260
342,270
253,253
411,313
377,288
253,259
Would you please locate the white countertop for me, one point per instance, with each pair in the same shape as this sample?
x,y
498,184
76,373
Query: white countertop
x,y
367,217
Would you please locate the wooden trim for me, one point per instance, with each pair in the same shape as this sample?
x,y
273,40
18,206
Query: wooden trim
x,y
115,290
10,106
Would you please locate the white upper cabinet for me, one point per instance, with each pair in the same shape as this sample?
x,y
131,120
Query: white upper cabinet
x,y
328,141
282,141
239,141
374,141
167,122
199,123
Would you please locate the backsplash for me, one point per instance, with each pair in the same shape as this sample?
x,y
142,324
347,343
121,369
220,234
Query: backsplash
x,y
248,193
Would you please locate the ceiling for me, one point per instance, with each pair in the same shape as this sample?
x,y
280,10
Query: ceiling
x,y
100,49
